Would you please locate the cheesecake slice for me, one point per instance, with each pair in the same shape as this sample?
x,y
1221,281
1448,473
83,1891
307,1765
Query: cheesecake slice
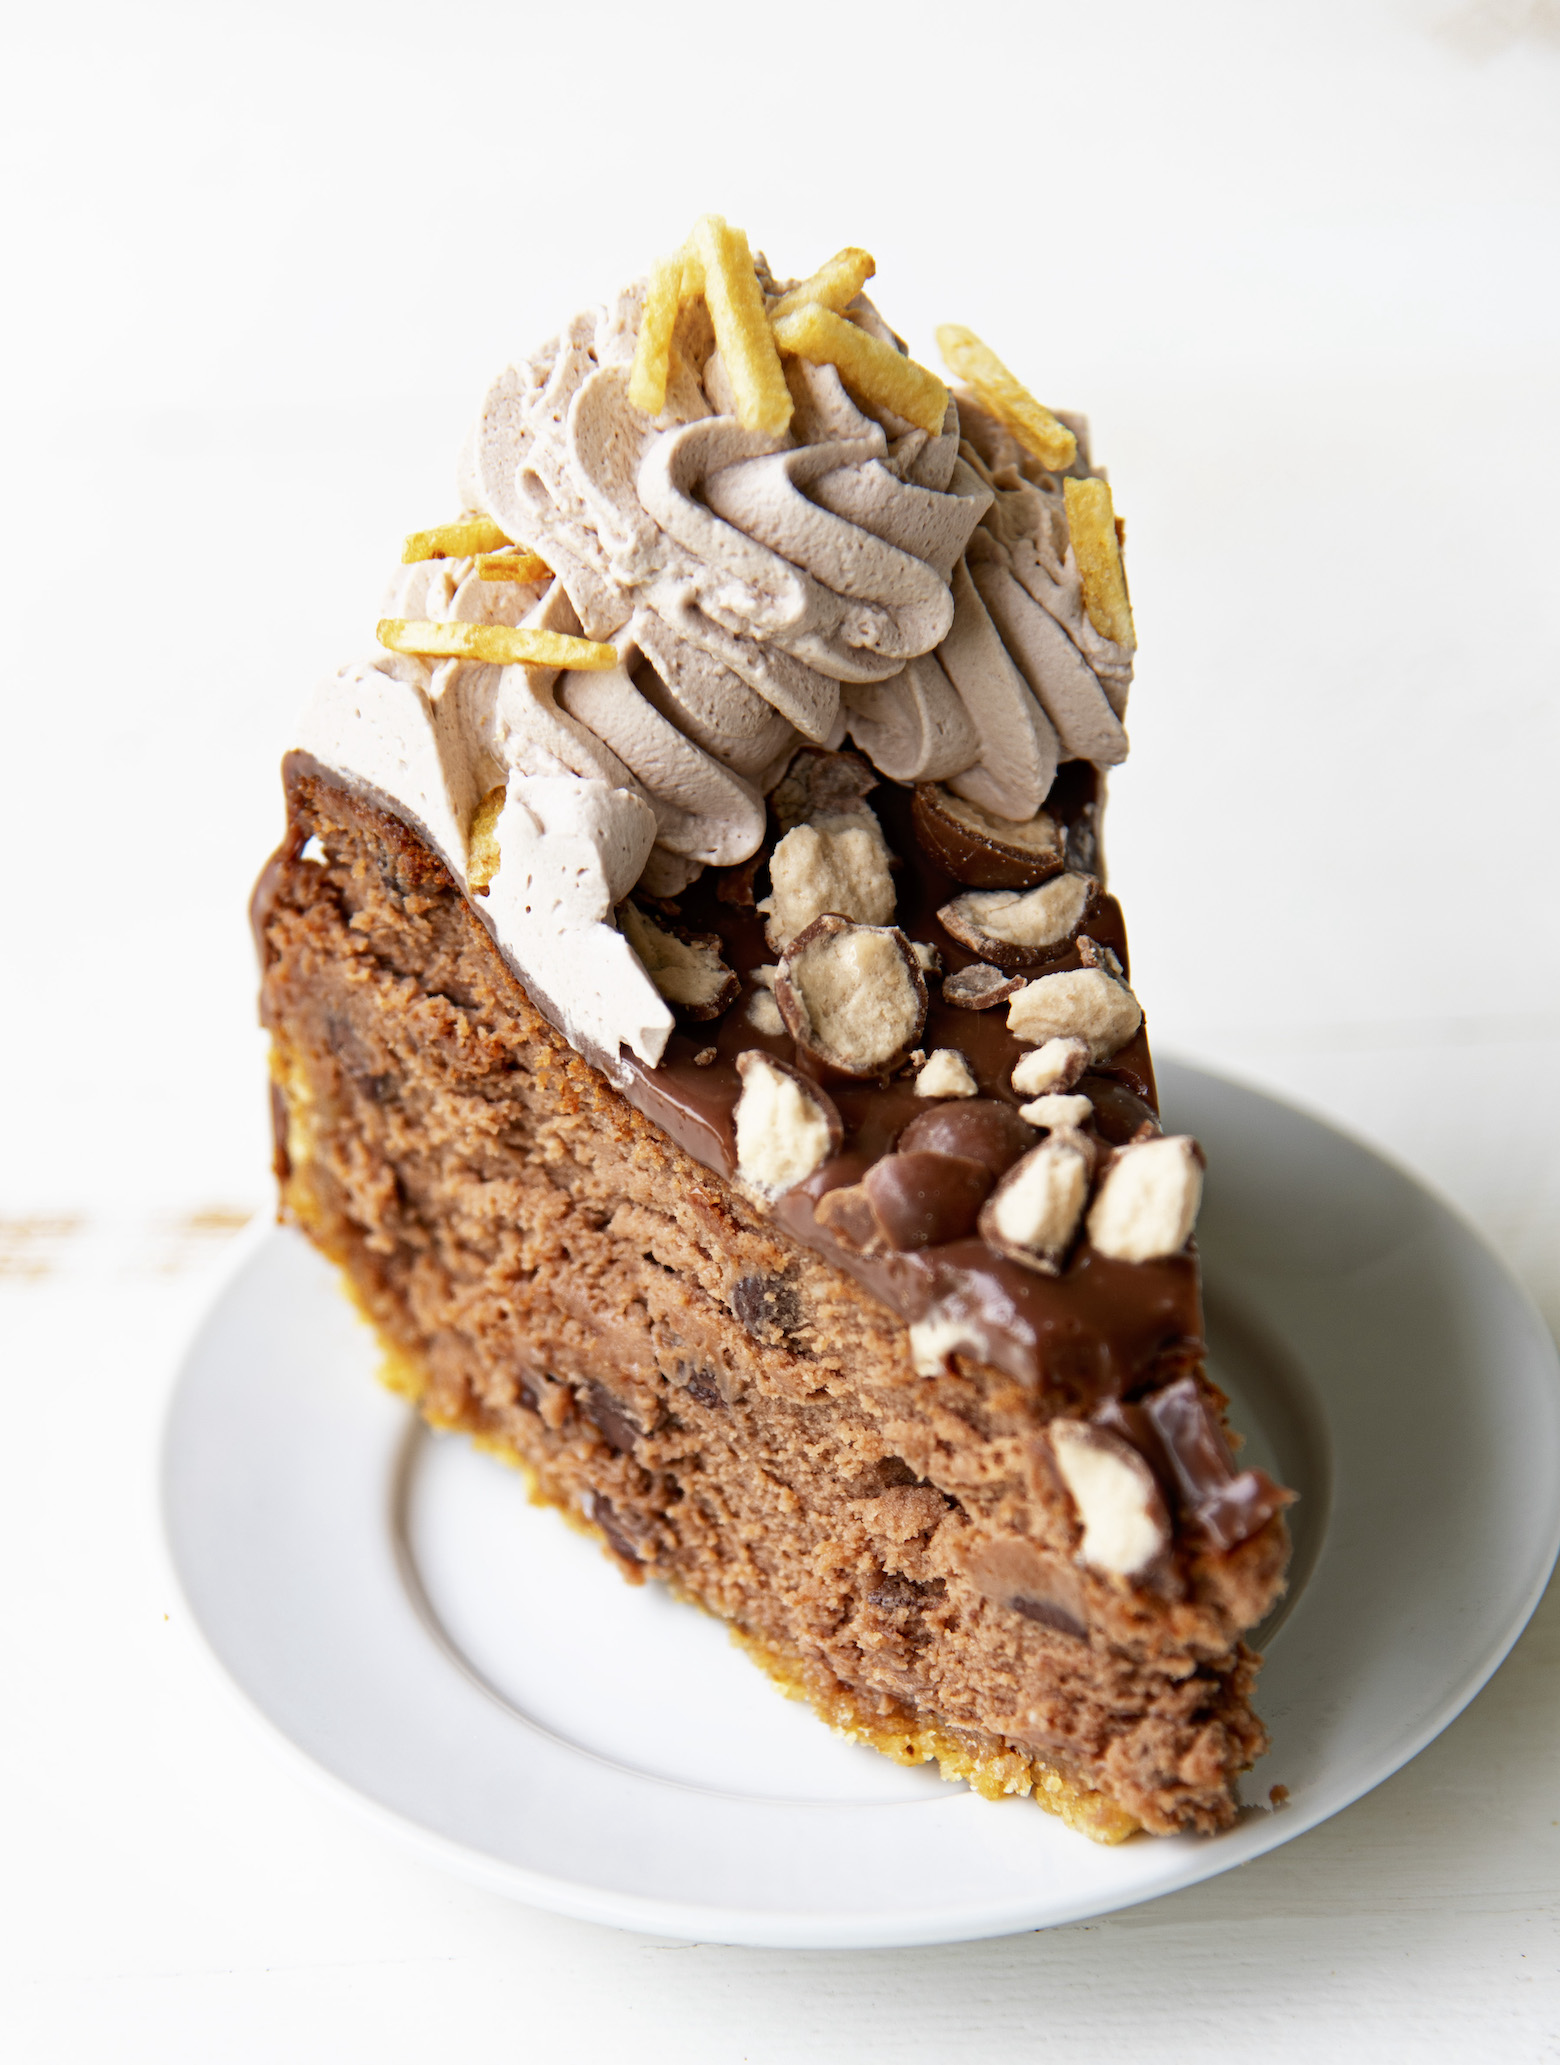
x,y
704,1038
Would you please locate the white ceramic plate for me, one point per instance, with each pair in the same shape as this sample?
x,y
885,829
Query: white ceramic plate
x,y
474,1676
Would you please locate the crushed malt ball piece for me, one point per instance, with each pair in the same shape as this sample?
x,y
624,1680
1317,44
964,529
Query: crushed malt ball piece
x,y
1081,1003
1058,1113
983,851
1009,400
786,1126
927,957
482,854
1016,929
852,996
1125,1525
763,1014
464,538
1091,525
514,565
1148,1199
742,333
498,645
686,967
1093,955
1055,1066
937,1338
979,986
877,372
946,1073
1033,1214
819,784
837,864
834,285
653,349
704,1057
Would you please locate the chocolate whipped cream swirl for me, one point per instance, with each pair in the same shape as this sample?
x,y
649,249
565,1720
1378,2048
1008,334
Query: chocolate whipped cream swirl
x,y
853,575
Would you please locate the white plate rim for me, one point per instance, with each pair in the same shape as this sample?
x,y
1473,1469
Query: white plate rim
x,y
1259,1832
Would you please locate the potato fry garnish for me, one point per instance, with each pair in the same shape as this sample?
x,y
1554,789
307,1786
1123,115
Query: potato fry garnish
x,y
454,540
516,565
834,285
1091,523
653,352
876,371
742,333
497,644
482,855
1009,400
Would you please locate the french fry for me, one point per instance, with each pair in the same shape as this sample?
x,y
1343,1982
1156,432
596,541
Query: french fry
x,y
876,371
834,285
515,565
742,333
1009,400
653,351
1096,544
482,855
497,644
454,540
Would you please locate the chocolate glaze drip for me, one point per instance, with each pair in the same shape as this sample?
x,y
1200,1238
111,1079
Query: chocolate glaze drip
x,y
1103,1329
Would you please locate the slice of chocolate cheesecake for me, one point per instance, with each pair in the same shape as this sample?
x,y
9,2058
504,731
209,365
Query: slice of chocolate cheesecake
x,y
703,1036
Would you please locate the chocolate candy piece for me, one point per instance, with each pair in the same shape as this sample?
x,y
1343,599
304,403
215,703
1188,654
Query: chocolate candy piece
x,y
983,1129
924,1200
982,851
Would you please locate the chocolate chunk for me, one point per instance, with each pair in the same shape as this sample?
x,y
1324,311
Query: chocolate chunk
x,y
605,1515
981,1129
924,1200
734,886
905,1595
1225,1507
1119,1115
1014,1573
1049,1615
979,986
701,1383
611,1419
768,1307
1244,1506
1194,1443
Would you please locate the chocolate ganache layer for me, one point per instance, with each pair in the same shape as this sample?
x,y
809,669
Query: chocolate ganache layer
x,y
1102,1328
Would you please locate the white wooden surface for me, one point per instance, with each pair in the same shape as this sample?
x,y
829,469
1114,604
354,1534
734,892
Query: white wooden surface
x,y
1299,264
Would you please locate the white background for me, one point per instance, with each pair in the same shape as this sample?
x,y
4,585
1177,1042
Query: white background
x,y
1299,264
